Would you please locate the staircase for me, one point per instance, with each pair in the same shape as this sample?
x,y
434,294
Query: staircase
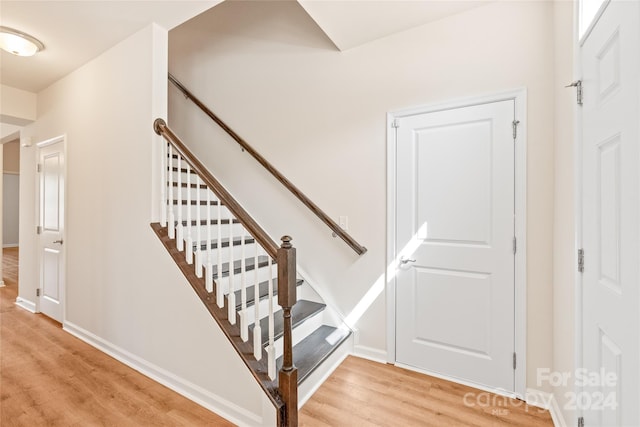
x,y
241,275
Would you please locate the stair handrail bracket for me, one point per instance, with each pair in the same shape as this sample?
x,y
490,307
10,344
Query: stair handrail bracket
x,y
218,249
335,228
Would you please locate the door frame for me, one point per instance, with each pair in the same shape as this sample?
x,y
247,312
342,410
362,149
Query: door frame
x,y
63,140
519,96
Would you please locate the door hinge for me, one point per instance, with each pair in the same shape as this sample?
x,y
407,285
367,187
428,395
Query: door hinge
x,y
38,292
580,421
395,123
514,360
581,260
578,85
515,245
39,167
38,229
515,124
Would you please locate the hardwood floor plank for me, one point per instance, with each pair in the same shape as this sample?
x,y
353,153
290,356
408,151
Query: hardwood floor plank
x,y
50,378
365,393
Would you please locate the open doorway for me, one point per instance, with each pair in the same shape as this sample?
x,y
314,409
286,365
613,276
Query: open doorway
x,y
9,193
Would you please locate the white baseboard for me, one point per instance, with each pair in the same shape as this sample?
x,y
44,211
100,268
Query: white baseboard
x,y
10,245
26,304
494,390
370,353
205,398
539,398
556,414
2,284
545,400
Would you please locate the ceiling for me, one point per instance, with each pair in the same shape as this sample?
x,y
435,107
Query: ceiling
x,y
350,23
75,32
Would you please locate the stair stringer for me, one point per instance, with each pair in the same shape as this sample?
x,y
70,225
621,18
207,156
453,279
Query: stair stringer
x,y
257,368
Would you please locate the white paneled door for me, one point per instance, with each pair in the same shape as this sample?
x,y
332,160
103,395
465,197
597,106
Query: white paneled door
x,y
455,229
51,228
610,218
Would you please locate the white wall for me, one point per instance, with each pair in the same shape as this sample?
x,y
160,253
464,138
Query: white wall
x,y
319,116
564,250
123,291
17,106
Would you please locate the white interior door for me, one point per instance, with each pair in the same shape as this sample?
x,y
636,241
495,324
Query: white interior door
x,y
455,226
610,217
51,254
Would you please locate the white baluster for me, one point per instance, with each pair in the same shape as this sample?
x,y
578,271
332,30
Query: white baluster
x,y
208,271
179,227
163,184
171,217
188,254
257,330
244,327
219,288
271,349
232,295
198,231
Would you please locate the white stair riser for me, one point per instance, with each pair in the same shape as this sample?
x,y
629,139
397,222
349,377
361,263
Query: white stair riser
x,y
193,192
226,254
174,163
183,177
224,214
263,275
264,307
301,331
236,230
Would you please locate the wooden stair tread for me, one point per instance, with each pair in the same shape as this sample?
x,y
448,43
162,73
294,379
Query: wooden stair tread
x,y
195,202
248,240
211,222
263,261
183,170
299,313
263,292
184,185
309,353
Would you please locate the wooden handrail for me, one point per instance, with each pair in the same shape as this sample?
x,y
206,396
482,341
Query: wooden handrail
x,y
161,128
285,255
339,232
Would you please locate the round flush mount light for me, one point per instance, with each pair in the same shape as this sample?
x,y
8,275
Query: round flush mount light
x,y
19,43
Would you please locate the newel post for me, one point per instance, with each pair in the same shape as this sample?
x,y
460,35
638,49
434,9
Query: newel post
x,y
288,376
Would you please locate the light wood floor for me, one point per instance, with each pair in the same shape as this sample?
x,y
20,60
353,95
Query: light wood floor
x,y
50,378
365,393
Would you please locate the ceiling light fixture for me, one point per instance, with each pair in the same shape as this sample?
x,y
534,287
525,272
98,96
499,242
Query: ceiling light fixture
x,y
19,43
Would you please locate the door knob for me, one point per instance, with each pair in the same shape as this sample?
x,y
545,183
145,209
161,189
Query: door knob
x,y
404,260
58,241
